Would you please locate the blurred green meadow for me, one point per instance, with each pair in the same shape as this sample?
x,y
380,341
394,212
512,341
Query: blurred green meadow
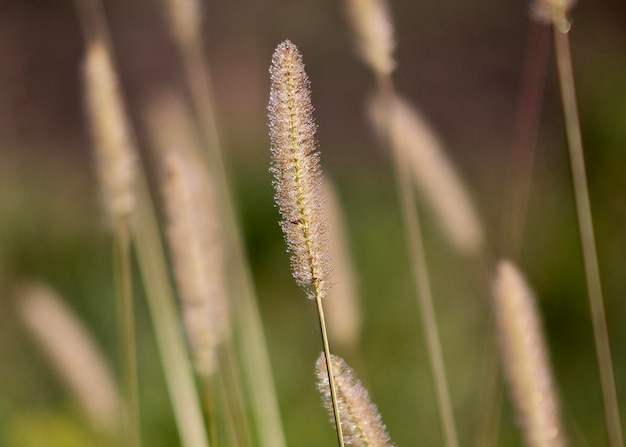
x,y
461,64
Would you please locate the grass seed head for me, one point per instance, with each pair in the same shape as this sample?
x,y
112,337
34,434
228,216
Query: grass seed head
x,y
525,357
373,29
296,169
360,420
115,152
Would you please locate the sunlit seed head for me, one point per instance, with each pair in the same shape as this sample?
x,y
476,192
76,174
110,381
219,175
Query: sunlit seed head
x,y
296,169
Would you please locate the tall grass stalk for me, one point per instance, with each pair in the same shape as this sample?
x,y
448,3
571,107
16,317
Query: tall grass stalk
x,y
184,22
167,327
236,401
419,270
585,224
299,190
520,166
126,318
373,30
116,157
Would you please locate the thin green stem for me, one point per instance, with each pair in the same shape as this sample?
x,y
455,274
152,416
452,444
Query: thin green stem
x,y
520,164
231,381
490,413
420,272
126,325
585,225
329,368
228,420
209,408
169,335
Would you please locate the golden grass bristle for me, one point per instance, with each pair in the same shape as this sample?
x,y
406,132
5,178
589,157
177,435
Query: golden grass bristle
x,y
185,21
525,358
361,421
296,169
552,11
73,353
193,233
343,307
433,173
115,151
374,35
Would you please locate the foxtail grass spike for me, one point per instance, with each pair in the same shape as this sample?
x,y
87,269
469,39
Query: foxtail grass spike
x,y
296,169
298,184
431,171
373,30
116,155
73,353
362,423
197,257
194,230
525,358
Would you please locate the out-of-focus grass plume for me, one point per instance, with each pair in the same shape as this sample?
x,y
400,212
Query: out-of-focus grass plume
x,y
72,353
193,230
113,141
432,172
526,360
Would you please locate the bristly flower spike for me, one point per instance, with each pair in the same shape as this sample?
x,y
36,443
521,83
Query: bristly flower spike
x,y
362,423
299,190
296,169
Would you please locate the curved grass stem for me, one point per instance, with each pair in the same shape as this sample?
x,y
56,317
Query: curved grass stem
x,y
587,238
420,272
172,349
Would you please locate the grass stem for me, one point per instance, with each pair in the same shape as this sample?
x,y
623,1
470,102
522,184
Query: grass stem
x,y
329,368
174,357
585,224
126,324
520,164
421,279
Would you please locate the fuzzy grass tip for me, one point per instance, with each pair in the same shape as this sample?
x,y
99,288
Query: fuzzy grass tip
x,y
296,170
194,237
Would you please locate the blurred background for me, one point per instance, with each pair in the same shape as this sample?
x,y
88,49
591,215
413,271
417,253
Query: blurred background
x,y
461,63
